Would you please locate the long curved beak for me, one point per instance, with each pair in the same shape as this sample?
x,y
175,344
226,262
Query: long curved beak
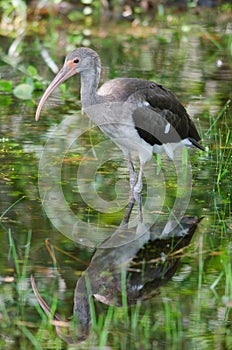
x,y
66,72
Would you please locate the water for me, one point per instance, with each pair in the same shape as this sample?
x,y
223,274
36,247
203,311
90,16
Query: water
x,y
192,309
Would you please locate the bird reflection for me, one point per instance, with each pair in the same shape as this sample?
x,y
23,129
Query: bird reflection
x,y
146,264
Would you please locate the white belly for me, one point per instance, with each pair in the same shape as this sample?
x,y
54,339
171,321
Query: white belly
x,y
115,120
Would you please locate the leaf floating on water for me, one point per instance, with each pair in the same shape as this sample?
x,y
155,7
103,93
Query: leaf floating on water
x,y
8,279
23,91
5,86
32,71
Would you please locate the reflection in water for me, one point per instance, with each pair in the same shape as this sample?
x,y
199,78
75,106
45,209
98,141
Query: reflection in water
x,y
138,268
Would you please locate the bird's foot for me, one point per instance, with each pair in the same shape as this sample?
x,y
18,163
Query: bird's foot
x,y
143,230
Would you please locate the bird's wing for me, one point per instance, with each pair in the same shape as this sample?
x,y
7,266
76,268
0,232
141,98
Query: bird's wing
x,y
154,126
162,116
159,117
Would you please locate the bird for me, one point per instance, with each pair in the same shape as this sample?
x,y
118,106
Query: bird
x,y
142,117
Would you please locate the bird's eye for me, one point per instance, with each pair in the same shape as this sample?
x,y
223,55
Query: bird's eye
x,y
76,60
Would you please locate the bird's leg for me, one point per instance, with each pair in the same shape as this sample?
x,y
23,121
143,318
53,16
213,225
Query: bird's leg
x,y
128,213
138,192
133,178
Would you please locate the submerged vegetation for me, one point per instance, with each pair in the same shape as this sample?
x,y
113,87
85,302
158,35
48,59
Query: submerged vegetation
x,y
189,52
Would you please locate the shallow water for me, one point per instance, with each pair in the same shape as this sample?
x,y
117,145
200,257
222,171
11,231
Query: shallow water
x,y
63,180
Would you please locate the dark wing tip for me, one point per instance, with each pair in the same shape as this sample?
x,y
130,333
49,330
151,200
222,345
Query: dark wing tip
x,y
196,144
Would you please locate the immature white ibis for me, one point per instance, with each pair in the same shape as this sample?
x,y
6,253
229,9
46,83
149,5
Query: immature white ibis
x,y
142,116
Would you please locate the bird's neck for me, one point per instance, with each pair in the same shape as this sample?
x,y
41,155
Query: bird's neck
x,y
89,85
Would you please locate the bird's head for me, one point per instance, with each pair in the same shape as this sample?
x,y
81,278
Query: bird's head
x,y
79,61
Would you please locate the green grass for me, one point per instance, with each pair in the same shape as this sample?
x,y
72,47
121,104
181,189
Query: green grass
x,y
10,207
144,325
221,165
16,298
